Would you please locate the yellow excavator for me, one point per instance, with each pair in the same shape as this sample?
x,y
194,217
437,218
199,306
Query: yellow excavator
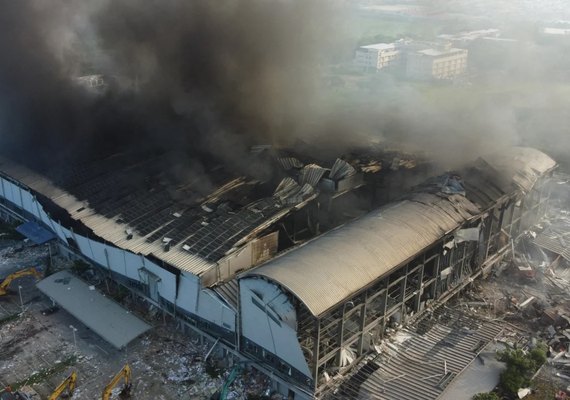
x,y
68,386
18,274
124,373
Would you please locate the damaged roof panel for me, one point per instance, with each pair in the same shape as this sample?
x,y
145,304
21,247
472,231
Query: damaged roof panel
x,y
142,214
553,244
521,165
340,263
229,292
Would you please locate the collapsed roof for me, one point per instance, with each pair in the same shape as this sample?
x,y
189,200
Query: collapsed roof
x,y
132,207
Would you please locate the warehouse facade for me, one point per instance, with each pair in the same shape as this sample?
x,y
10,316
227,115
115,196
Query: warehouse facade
x,y
319,307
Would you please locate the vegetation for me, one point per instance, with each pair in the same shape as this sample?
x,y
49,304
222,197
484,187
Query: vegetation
x,y
486,396
520,367
45,373
9,318
543,389
79,267
8,231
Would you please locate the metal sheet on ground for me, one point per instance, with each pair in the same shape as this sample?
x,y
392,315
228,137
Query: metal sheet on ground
x,y
102,315
35,232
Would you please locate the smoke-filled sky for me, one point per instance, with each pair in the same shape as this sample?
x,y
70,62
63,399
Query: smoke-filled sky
x,y
212,78
198,75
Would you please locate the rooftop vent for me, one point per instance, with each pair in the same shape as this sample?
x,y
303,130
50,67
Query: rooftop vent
x,y
166,242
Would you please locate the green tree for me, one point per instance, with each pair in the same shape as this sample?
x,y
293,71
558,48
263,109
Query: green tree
x,y
520,367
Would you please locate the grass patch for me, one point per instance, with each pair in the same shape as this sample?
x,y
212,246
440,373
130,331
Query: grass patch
x,y
79,267
9,232
43,374
9,318
212,370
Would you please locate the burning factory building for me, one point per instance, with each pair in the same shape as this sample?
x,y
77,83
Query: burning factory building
x,y
288,273
187,155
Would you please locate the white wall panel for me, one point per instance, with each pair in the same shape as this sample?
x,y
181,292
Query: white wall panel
x,y
99,256
60,231
188,292
133,263
278,338
211,308
117,260
84,247
167,284
28,201
11,193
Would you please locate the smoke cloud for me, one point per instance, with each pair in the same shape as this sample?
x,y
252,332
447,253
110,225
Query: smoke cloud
x,y
192,76
204,80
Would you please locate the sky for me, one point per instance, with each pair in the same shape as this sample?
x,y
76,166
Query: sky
x,y
206,80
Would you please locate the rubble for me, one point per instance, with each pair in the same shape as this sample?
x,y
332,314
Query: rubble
x,y
531,290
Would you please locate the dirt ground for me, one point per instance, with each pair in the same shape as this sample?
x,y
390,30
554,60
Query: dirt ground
x,y
38,348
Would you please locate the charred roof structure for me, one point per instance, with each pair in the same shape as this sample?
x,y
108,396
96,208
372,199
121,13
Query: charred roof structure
x,y
246,260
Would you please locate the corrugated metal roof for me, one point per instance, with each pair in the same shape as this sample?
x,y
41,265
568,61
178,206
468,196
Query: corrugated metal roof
x,y
556,237
341,169
554,244
288,163
229,292
311,174
339,263
521,165
109,204
99,313
421,364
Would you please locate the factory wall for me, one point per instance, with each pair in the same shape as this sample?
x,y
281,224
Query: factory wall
x,y
133,270
268,322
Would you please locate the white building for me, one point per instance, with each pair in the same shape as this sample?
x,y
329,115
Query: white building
x,y
464,38
444,62
376,56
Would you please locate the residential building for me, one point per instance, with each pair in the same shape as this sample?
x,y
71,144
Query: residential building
x,y
443,62
375,57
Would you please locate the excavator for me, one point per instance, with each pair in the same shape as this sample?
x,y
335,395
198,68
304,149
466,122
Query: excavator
x,y
68,386
18,274
124,373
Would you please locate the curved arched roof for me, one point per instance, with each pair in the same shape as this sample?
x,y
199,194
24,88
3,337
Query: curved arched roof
x,y
334,266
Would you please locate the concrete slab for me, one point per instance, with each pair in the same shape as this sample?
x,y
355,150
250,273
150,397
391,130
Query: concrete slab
x,y
102,315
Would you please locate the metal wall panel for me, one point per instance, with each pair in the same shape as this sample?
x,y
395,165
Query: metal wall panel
x,y
267,331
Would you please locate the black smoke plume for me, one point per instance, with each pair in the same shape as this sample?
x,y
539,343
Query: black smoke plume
x,y
198,77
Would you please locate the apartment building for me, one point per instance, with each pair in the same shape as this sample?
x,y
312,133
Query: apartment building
x,y
444,62
377,56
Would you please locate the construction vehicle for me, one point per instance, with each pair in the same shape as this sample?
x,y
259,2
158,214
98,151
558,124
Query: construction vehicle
x,y
124,373
67,386
16,275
